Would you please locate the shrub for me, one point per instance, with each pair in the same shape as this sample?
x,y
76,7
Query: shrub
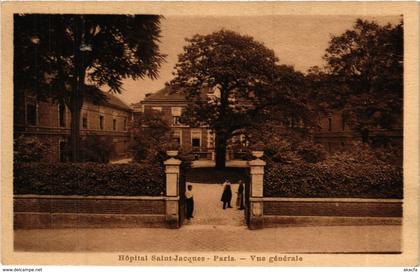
x,y
95,148
357,152
333,179
364,153
392,155
28,149
281,151
89,179
288,152
152,137
311,152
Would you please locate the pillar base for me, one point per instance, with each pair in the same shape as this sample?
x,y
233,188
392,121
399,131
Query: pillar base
x,y
172,222
256,222
172,214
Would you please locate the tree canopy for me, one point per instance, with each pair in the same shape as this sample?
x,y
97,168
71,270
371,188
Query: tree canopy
x,y
232,81
68,57
363,75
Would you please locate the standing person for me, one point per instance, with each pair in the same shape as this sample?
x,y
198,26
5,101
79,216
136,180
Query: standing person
x,y
189,201
227,182
240,199
227,196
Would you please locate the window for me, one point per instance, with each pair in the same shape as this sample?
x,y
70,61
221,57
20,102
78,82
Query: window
x,y
176,113
125,124
176,120
31,114
329,123
85,120
176,136
195,142
343,123
242,140
101,122
210,139
114,124
157,108
196,138
62,114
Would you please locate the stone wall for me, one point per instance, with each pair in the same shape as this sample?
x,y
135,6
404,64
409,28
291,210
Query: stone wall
x,y
331,211
36,211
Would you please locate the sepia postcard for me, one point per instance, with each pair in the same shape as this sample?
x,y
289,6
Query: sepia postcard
x,y
210,133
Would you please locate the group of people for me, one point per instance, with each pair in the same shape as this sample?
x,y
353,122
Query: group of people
x,y
227,195
226,198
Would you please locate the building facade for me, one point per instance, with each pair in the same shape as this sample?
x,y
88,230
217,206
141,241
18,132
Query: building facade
x,y
50,123
335,134
332,131
200,140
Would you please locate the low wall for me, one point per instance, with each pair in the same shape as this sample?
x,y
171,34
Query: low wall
x,y
331,211
39,211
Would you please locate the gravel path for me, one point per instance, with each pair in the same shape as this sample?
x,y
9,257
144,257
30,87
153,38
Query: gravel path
x,y
208,207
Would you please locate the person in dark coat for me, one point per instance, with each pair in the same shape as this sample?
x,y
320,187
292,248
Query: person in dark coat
x,y
189,201
227,196
240,199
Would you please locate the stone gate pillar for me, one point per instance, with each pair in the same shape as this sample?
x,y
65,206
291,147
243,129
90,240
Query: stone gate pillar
x,y
256,191
172,190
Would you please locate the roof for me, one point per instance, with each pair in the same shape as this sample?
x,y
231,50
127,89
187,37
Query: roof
x,y
166,94
114,101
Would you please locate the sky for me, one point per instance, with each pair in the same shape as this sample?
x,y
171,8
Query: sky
x,y
297,40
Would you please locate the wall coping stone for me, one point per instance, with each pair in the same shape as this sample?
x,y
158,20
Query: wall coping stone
x,y
277,221
292,199
96,197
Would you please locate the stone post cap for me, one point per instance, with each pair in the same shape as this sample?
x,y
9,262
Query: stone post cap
x,y
172,161
257,154
257,162
172,153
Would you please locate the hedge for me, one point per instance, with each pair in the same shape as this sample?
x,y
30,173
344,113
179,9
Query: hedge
x,y
89,179
353,180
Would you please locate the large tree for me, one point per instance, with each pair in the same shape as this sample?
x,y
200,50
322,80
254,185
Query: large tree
x,y
68,57
231,81
363,76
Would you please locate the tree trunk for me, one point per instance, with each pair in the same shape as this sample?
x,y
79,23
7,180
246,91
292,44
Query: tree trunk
x,y
75,131
76,100
221,133
365,135
221,141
